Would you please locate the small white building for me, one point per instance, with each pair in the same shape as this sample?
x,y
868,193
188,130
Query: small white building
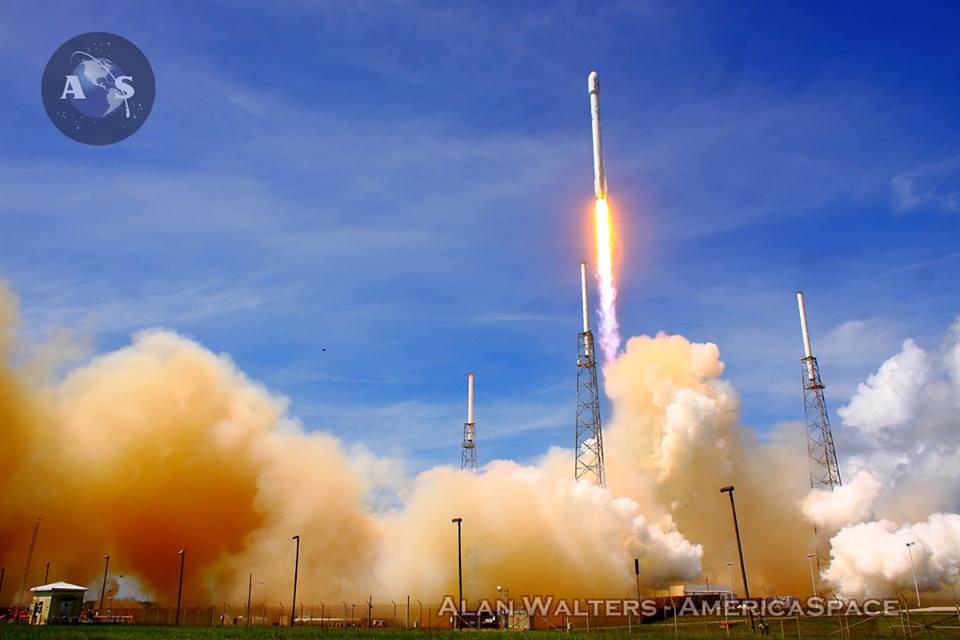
x,y
56,603
700,590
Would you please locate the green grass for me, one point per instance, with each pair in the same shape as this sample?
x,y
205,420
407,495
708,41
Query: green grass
x,y
810,629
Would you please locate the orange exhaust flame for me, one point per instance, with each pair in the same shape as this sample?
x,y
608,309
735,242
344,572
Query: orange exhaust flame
x,y
609,327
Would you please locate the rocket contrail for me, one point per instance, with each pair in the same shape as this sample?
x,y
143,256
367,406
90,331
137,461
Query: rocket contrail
x,y
609,327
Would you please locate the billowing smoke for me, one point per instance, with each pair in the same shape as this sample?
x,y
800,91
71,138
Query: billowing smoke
x,y
675,440
851,503
900,432
163,444
872,560
534,530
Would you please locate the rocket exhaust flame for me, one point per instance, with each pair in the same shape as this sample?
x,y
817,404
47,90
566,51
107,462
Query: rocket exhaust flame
x,y
609,327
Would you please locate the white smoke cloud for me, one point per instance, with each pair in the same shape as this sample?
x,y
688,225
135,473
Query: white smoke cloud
x,y
899,430
888,400
871,559
901,425
849,504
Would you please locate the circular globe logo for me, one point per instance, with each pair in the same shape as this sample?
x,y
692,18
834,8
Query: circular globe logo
x,y
98,88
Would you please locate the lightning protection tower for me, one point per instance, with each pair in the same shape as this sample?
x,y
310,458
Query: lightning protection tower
x,y
824,470
822,456
468,453
589,443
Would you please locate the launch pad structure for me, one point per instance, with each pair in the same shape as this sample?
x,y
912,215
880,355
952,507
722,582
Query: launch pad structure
x,y
589,439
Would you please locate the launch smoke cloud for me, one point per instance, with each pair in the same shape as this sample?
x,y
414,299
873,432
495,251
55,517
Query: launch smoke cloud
x,y
163,445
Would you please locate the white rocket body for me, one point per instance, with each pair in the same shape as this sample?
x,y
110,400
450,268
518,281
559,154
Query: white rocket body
x,y
599,173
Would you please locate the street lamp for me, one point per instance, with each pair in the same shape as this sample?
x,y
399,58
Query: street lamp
x,y
250,584
813,575
458,522
916,586
743,567
296,569
182,553
103,589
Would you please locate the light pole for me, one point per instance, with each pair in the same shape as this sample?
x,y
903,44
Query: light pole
x,y
103,589
743,567
46,574
730,578
250,584
916,586
296,569
636,571
813,575
458,522
182,553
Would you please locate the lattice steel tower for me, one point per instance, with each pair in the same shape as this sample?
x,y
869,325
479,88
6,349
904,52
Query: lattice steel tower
x,y
468,452
822,456
589,444
824,470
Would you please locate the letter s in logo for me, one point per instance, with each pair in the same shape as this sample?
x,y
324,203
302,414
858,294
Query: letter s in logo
x,y
123,85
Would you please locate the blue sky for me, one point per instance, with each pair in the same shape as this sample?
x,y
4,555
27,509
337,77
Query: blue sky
x,y
407,185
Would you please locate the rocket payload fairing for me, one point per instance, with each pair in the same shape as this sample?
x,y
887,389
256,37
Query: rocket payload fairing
x,y
599,173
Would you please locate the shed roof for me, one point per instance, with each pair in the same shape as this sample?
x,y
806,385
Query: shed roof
x,y
59,586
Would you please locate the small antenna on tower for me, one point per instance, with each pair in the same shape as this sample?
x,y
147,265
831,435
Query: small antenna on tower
x,y
468,454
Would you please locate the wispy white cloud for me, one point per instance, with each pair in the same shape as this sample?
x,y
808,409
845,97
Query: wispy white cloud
x,y
933,187
860,342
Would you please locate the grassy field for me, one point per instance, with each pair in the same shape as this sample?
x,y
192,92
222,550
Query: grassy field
x,y
810,629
